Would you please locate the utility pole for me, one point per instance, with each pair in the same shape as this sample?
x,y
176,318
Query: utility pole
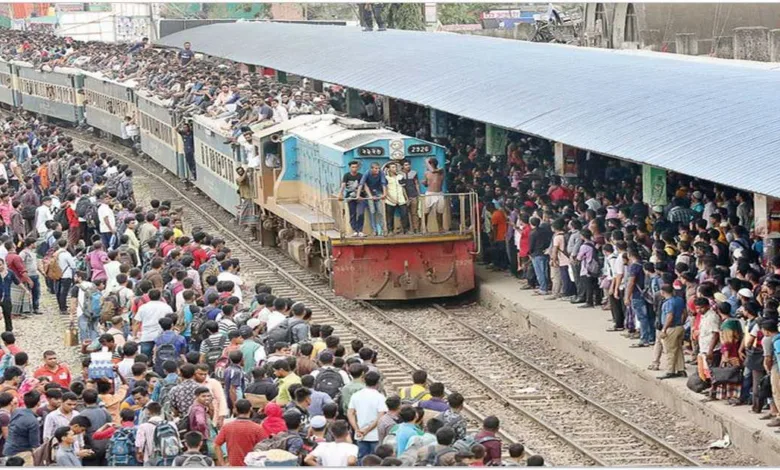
x,y
152,26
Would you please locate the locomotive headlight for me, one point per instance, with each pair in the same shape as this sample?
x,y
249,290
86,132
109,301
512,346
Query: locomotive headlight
x,y
397,155
396,145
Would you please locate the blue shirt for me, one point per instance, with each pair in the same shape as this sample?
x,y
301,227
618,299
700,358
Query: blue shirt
x,y
318,400
171,337
675,306
405,432
374,183
23,432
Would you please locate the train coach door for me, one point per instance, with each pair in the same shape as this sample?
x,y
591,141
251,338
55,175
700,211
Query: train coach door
x,y
270,165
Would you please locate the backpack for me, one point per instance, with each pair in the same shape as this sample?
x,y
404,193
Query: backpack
x,y
196,326
209,268
109,307
281,333
433,456
43,456
412,400
91,216
776,345
329,381
62,218
465,444
277,441
51,267
42,249
196,460
121,449
123,256
214,354
92,304
220,367
165,443
596,261
165,352
28,212
164,399
82,205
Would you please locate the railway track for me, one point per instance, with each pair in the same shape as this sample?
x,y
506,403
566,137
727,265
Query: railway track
x,y
568,428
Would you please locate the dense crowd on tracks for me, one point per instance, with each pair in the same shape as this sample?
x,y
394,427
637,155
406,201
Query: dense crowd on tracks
x,y
184,362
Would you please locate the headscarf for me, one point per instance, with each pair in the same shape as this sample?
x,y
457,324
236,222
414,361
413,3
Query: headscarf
x,y
273,422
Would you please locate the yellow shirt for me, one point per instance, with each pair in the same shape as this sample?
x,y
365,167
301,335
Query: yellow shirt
x,y
283,397
177,233
396,195
415,392
317,347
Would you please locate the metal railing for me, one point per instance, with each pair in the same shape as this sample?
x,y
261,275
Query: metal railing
x,y
427,214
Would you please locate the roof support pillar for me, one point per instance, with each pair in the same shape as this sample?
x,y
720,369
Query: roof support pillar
x,y
774,45
354,103
724,47
751,43
686,44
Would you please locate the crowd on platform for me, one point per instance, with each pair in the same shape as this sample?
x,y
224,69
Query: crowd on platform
x,y
688,280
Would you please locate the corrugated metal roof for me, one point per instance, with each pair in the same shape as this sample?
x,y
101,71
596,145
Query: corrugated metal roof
x,y
713,120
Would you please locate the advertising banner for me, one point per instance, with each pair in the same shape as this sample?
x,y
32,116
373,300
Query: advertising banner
x,y
653,186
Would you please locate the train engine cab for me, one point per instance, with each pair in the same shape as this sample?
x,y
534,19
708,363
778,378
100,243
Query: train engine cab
x,y
394,243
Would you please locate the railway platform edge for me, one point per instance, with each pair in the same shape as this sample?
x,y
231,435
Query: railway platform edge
x,y
582,333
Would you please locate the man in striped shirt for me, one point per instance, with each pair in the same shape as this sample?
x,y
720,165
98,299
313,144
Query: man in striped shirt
x,y
226,323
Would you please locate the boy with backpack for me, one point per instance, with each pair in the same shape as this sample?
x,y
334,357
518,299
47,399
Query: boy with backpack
x,y
192,457
120,451
169,346
157,440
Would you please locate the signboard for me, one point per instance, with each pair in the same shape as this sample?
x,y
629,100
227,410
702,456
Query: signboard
x,y
495,140
566,160
653,186
419,149
70,7
440,122
370,151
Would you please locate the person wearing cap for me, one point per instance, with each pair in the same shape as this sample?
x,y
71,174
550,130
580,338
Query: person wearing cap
x,y
317,428
251,349
241,435
339,453
744,295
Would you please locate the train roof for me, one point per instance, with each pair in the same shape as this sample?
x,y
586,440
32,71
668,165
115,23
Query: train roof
x,y
343,133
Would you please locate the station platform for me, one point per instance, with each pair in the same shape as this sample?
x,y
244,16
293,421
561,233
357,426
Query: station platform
x,y
582,333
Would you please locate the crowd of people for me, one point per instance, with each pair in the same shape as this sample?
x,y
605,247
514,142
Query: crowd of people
x,y
185,363
689,280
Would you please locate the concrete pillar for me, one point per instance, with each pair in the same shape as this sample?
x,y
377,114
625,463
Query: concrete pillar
x,y
705,46
724,47
774,45
686,43
316,86
751,43
524,31
651,39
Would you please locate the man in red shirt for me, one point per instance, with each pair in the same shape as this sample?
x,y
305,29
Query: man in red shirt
x,y
492,443
241,436
16,265
58,372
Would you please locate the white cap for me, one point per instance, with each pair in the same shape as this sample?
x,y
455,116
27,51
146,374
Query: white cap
x,y
745,292
253,323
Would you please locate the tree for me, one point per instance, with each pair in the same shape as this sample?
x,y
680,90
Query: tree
x,y
461,13
404,16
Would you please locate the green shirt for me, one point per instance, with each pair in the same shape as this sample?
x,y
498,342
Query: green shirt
x,y
248,349
348,390
283,397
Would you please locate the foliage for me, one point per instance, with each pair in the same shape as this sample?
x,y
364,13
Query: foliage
x,y
404,16
461,13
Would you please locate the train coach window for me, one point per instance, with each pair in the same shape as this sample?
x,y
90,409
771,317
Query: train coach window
x,y
5,79
108,104
58,93
158,129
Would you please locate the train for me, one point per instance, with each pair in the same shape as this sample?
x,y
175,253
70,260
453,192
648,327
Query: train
x,y
294,181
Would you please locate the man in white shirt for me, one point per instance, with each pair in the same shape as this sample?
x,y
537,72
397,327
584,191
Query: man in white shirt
x,y
147,326
340,453
366,408
68,267
230,273
42,215
107,221
280,112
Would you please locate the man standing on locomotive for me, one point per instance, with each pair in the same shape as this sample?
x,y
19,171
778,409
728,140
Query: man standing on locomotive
x,y
375,185
434,199
396,199
412,185
349,189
